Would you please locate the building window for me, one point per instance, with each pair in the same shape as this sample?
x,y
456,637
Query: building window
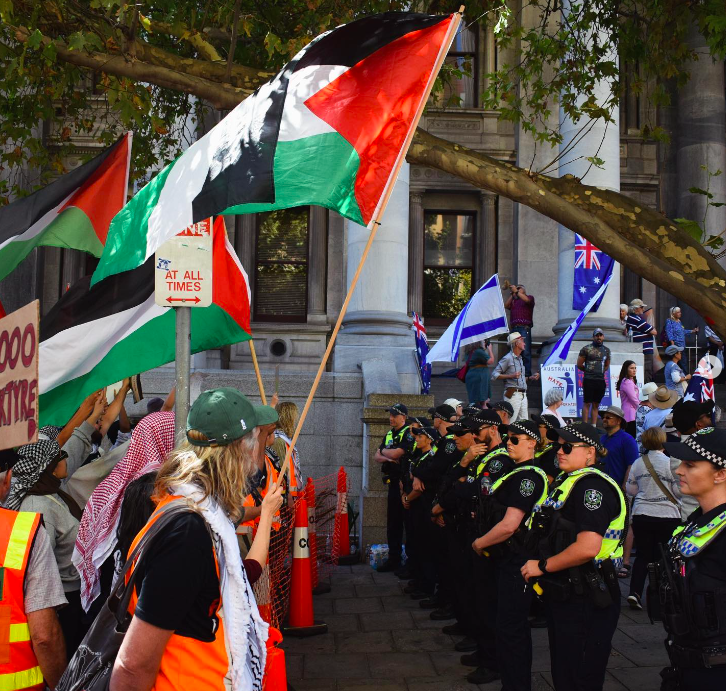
x,y
461,90
281,268
448,263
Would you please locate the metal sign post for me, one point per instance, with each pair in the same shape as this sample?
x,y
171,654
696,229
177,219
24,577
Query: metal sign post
x,y
183,273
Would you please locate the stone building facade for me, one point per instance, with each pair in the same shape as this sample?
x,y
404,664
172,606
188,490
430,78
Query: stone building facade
x,y
439,240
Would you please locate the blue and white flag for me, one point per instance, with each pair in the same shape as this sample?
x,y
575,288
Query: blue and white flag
x,y
422,350
562,347
482,317
592,268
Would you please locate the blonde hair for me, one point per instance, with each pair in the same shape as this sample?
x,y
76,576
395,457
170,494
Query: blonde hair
x,y
289,414
653,438
220,472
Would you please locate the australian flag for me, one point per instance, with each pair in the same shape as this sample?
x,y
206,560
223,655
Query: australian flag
x,y
422,349
592,267
700,388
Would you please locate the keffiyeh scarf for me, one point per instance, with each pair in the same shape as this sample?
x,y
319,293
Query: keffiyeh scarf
x,y
34,459
152,440
245,630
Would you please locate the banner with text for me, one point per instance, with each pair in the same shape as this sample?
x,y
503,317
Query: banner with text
x,y
19,377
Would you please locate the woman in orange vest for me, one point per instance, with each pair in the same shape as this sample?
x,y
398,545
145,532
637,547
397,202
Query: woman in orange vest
x,y
196,626
289,415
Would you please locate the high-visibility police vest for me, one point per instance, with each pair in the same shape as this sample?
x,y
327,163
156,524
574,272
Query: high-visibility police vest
x,y
499,451
541,452
690,542
520,469
612,542
395,437
19,667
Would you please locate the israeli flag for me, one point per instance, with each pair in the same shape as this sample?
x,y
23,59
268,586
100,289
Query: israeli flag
x,y
562,347
482,317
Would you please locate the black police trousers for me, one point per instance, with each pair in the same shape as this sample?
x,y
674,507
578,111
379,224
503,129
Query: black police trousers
x,y
394,523
580,637
712,679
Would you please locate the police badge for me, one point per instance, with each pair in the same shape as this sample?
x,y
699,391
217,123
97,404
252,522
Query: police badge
x,y
526,487
593,499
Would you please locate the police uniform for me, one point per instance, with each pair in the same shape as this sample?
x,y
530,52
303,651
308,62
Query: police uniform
x,y
523,486
690,583
400,438
583,602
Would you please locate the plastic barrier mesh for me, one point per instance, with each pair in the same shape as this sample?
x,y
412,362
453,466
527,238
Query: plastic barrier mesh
x,y
326,527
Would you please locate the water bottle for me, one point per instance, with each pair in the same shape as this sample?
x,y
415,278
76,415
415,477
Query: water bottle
x,y
486,484
403,555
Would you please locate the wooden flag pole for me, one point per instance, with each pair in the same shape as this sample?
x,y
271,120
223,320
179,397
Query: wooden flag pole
x,y
375,223
258,374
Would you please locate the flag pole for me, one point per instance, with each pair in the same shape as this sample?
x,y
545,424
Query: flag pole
x,y
183,317
257,372
375,225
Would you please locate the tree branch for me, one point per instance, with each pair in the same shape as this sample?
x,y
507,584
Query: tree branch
x,y
640,238
194,38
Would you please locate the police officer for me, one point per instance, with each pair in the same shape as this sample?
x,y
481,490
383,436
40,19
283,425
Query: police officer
x,y
397,442
546,454
506,507
692,577
580,531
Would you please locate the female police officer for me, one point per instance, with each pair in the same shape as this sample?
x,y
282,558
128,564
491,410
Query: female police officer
x,y
692,578
581,526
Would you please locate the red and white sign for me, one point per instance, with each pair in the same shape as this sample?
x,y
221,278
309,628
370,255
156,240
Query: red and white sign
x,y
183,268
19,377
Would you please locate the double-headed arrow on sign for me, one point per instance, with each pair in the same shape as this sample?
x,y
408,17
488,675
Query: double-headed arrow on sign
x,y
194,299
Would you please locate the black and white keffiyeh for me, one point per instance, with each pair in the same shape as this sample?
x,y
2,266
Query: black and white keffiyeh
x,y
34,459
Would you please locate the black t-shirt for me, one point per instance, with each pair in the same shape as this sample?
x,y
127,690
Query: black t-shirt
x,y
177,580
498,465
711,561
592,505
521,491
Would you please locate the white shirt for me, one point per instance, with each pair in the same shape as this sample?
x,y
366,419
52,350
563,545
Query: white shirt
x,y
556,413
649,499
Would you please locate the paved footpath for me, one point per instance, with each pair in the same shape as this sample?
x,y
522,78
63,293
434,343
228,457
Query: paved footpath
x,y
381,639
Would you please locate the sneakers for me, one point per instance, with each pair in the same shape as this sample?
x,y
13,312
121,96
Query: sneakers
x,y
634,601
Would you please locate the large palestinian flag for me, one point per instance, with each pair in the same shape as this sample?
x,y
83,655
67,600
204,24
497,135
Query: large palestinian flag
x,y
95,336
327,130
74,211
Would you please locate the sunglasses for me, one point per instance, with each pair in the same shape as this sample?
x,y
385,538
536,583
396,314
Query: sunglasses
x,y
567,447
463,433
515,440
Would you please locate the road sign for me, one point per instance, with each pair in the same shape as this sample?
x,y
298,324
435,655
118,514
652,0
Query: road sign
x,y
19,377
183,268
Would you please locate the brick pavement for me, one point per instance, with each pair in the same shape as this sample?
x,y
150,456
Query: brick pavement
x,y
381,639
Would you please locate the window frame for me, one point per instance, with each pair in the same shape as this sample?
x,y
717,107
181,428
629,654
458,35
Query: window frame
x,y
443,321
280,318
475,77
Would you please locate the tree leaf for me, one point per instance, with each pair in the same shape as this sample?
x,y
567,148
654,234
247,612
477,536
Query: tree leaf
x,y
77,41
691,227
698,190
35,39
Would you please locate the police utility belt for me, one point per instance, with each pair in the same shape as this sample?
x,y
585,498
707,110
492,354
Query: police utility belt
x,y
697,658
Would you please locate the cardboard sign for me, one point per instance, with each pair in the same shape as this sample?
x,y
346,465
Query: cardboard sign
x,y
183,268
19,377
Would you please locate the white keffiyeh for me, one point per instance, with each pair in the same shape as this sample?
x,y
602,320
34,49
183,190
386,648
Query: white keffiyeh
x,y
245,631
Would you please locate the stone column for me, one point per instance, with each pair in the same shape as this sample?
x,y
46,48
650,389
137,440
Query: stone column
x,y
317,264
377,325
486,258
416,252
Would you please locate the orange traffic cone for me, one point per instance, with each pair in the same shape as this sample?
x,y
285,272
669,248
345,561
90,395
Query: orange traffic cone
x,y
342,529
301,621
275,676
318,587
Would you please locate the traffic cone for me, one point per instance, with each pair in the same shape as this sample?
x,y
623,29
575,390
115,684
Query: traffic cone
x,y
318,587
342,529
275,675
301,621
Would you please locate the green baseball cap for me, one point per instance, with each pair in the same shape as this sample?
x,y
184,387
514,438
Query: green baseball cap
x,y
225,415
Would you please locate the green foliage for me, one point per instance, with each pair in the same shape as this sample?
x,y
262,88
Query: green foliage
x,y
698,230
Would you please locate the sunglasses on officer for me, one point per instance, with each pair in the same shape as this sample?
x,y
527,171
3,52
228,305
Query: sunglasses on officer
x,y
566,447
516,440
463,432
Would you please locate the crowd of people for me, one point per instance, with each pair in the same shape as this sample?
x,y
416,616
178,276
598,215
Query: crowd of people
x,y
80,501
512,521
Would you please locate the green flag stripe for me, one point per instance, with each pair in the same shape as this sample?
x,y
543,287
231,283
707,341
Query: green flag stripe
x,y
150,346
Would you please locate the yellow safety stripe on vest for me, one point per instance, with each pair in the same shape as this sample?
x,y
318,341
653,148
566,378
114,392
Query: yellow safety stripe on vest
x,y
501,451
19,633
18,542
398,436
12,681
520,469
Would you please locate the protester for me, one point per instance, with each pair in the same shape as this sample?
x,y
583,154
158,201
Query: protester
x,y
714,344
37,488
661,402
521,308
195,618
656,510
643,409
627,387
675,378
553,402
32,592
478,380
623,319
152,440
621,447
289,415
594,361
674,330
512,368
643,332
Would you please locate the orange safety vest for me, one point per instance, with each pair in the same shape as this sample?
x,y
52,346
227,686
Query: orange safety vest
x,y
19,667
187,664
250,527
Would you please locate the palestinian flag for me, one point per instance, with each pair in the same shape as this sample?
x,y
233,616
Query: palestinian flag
x,y
74,211
327,130
95,336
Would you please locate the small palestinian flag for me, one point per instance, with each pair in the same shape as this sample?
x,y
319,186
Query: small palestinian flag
x,y
327,130
97,336
74,211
